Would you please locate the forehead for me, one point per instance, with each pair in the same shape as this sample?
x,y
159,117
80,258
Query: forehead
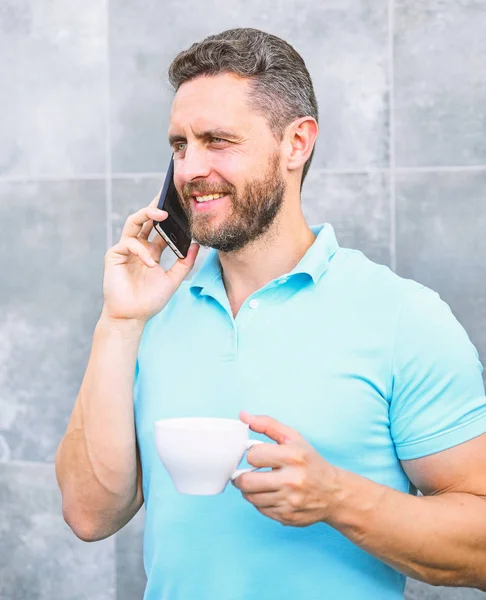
x,y
219,101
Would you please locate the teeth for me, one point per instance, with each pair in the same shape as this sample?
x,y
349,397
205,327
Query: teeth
x,y
208,197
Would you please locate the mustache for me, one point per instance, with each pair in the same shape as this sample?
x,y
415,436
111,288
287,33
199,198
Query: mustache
x,y
206,188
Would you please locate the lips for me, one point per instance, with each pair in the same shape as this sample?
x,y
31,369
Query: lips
x,y
208,197
204,205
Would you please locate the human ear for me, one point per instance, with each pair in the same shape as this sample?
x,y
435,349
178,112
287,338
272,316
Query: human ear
x,y
299,141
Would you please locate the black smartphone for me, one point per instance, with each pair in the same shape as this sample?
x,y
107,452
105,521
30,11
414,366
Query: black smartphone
x,y
175,229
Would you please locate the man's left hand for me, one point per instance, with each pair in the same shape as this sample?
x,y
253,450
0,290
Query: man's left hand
x,y
302,487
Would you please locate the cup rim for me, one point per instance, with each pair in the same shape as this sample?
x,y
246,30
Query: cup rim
x,y
209,424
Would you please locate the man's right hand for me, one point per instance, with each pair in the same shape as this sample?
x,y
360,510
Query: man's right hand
x,y
135,286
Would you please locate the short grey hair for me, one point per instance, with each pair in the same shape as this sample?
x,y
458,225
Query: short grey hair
x,y
281,87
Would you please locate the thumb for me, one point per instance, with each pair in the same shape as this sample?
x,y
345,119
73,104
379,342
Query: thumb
x,y
182,267
280,433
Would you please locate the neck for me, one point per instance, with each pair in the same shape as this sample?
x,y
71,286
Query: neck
x,y
274,254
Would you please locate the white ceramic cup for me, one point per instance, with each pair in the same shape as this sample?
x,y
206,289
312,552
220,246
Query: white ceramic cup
x,y
201,454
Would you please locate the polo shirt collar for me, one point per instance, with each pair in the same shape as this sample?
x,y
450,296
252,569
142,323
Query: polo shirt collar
x,y
314,263
316,260
208,279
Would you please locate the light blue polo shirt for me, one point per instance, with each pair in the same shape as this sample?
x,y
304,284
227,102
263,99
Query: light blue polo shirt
x,y
370,368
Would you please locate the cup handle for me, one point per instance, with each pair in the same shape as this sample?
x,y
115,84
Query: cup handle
x,y
239,472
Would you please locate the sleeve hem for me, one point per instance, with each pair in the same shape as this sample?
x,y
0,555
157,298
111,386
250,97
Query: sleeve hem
x,y
452,437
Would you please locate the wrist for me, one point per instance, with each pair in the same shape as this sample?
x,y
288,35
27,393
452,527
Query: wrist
x,y
120,325
356,501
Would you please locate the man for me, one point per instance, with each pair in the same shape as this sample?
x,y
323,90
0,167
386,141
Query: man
x,y
371,387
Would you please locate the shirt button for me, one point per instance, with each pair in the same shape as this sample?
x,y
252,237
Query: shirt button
x,y
283,280
253,303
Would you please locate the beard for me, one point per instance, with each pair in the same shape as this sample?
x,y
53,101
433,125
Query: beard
x,y
252,212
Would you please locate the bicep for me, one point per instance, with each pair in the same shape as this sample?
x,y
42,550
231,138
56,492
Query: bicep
x,y
461,468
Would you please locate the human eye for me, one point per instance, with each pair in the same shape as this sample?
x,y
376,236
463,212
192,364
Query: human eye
x,y
218,140
179,147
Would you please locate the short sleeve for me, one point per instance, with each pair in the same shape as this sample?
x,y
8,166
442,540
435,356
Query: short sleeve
x,y
438,398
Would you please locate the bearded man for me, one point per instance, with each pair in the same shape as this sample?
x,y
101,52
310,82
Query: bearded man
x,y
366,385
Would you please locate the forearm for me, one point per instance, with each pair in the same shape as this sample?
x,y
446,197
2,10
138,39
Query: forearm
x,y
437,539
96,463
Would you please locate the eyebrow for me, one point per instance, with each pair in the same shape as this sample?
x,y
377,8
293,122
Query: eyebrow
x,y
210,133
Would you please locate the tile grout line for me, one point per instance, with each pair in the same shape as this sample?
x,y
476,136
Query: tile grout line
x,y
17,462
443,169
160,176
50,178
143,175
391,133
108,166
351,171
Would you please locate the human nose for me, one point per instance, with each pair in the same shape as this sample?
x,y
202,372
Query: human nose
x,y
195,164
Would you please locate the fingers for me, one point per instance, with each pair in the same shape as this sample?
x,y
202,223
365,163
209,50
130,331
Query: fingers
x,y
253,483
155,201
263,500
157,239
271,455
276,431
148,226
182,267
158,242
136,247
134,224
146,230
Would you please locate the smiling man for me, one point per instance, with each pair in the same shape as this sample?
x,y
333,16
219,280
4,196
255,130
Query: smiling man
x,y
370,386
250,187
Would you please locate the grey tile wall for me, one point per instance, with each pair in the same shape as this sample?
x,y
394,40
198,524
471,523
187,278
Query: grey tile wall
x,y
40,556
53,75
399,170
130,574
51,251
356,204
440,88
419,591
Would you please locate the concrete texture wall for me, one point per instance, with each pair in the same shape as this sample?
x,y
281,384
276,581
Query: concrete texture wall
x,y
400,170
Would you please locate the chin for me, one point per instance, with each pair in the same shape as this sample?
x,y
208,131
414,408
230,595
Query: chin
x,y
209,235
205,224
